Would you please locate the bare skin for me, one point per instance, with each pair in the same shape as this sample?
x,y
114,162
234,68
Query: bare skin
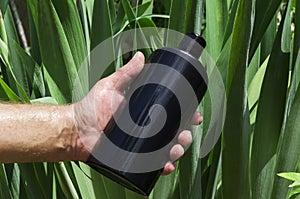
x,y
36,133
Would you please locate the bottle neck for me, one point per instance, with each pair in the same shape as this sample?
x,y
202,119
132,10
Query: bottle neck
x,y
192,44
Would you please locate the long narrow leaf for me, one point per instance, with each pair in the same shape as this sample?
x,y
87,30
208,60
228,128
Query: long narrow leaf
x,y
265,11
297,32
65,181
269,120
216,11
287,33
55,50
70,21
268,40
101,23
4,192
235,159
289,151
160,190
102,30
3,5
29,178
190,166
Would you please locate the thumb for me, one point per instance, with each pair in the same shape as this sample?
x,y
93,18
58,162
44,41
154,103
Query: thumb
x,y
124,76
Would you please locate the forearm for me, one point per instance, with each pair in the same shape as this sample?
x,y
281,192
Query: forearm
x,y
35,133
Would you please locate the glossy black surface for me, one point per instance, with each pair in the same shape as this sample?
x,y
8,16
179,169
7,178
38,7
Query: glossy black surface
x,y
139,104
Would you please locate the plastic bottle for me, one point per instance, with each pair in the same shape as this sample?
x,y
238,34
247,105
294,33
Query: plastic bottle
x,y
160,89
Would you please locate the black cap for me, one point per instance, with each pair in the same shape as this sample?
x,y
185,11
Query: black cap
x,y
193,44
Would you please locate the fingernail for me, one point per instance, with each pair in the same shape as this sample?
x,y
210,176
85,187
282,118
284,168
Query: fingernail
x,y
170,166
138,54
200,118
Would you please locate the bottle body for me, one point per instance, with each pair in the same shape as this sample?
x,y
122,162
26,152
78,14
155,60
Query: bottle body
x,y
159,106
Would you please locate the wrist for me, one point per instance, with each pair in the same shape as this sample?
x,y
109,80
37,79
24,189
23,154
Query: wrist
x,y
74,149
68,134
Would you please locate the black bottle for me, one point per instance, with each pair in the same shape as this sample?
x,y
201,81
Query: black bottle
x,y
166,73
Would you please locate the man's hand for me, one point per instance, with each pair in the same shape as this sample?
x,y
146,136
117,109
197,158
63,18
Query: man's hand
x,y
93,113
49,133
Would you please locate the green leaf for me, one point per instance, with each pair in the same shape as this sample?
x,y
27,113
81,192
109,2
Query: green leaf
x,y
287,33
113,189
253,67
164,187
264,13
33,72
10,25
89,9
39,87
230,21
27,63
92,183
102,30
55,50
34,42
292,176
120,20
85,185
45,176
194,15
18,67
146,22
254,90
185,16
85,23
12,34
190,168
294,193
65,181
70,21
132,195
54,89
9,93
295,184
236,133
223,60
144,8
4,191
128,10
29,178
134,23
3,5
14,179
240,40
101,23
289,150
216,20
268,39
269,120
10,76
214,171
44,100
111,4
177,20
296,46
3,35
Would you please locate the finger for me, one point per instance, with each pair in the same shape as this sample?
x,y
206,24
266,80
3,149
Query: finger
x,y
124,76
197,118
169,167
176,152
185,138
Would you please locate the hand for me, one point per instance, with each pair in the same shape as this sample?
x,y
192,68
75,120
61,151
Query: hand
x,y
93,113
